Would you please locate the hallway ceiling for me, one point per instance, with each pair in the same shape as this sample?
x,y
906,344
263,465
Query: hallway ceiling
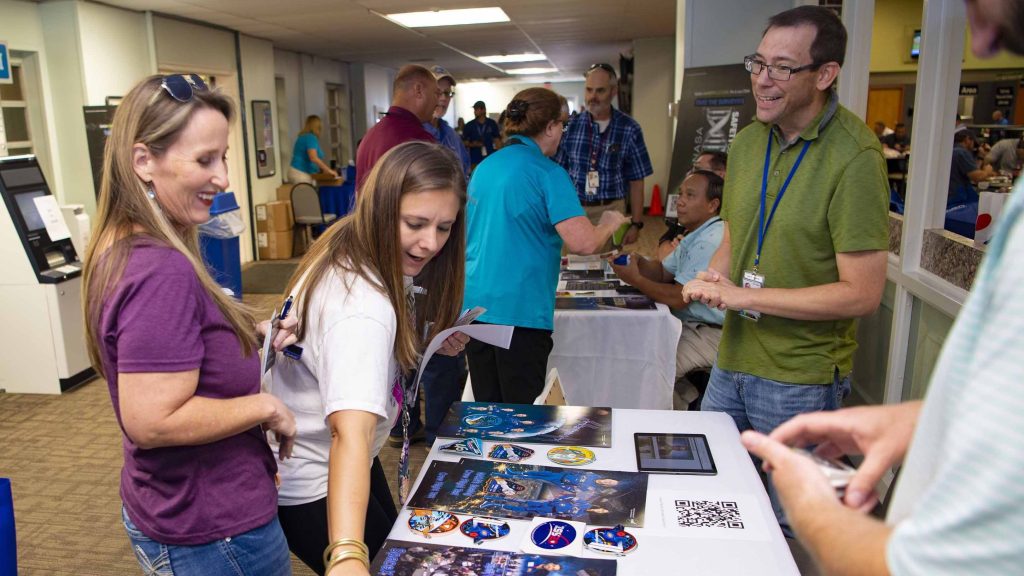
x,y
572,33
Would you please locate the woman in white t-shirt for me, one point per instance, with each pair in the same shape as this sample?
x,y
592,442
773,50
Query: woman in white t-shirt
x,y
360,340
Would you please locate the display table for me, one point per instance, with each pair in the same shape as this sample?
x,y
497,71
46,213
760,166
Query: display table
x,y
663,546
617,358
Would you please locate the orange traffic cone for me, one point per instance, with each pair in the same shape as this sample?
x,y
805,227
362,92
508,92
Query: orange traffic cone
x,y
656,208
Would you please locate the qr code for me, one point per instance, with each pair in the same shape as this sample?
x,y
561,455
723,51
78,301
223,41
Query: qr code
x,y
708,514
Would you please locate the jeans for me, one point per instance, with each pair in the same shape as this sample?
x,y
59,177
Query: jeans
x,y
259,552
442,383
761,404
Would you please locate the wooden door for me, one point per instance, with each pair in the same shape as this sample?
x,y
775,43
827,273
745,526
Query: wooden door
x,y
885,104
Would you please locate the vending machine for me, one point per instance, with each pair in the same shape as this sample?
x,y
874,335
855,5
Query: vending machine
x,y
43,335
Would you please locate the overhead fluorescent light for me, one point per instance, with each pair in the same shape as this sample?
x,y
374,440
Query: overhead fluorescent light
x,y
506,58
460,17
530,70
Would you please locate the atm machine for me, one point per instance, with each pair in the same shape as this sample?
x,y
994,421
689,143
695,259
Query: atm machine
x,y
43,331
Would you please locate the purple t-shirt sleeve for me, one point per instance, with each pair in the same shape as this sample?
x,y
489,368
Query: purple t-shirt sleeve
x,y
159,323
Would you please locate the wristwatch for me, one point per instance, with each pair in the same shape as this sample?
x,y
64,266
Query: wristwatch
x,y
639,225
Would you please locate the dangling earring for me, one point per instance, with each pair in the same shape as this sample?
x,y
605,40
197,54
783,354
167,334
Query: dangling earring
x,y
150,191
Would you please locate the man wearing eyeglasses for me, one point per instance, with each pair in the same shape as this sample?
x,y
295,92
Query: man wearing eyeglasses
x,y
438,127
805,245
604,152
415,97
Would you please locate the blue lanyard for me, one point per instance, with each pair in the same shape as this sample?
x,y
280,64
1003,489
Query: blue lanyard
x,y
762,228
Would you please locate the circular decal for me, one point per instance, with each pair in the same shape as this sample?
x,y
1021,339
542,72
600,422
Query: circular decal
x,y
553,535
571,455
610,540
432,522
480,529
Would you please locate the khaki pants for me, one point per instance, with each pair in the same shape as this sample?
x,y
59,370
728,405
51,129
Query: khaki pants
x,y
697,349
593,214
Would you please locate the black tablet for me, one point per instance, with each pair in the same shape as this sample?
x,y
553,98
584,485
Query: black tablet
x,y
673,454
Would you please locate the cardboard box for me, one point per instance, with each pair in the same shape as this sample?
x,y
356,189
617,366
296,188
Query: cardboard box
x,y
275,245
284,192
274,217
324,180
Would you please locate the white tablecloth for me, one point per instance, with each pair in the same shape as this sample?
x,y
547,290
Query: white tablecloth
x,y
760,549
617,358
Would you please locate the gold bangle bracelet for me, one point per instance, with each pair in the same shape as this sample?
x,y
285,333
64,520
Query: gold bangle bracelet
x,y
346,555
359,545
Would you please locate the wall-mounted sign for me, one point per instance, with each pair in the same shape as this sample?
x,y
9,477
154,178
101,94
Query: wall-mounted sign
x,y
1004,91
968,89
5,65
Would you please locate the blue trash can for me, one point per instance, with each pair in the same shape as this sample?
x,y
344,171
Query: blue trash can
x,y
8,541
218,242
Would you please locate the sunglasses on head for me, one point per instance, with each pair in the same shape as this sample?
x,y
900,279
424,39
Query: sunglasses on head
x,y
606,67
182,87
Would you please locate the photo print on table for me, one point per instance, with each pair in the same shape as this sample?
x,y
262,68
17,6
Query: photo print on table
x,y
522,491
398,558
561,425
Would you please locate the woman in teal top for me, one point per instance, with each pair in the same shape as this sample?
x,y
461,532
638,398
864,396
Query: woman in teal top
x,y
307,157
522,207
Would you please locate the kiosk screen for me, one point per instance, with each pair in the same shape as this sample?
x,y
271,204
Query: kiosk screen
x,y
27,207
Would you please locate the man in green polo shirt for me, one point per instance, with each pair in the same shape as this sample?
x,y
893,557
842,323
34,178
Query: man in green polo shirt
x,y
804,249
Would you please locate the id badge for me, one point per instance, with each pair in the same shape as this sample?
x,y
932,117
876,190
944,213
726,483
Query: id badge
x,y
483,151
752,279
593,181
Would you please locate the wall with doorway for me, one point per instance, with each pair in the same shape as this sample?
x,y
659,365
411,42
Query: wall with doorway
x,y
257,58
652,91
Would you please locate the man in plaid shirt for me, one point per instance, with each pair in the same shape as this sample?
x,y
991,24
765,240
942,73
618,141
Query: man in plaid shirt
x,y
604,152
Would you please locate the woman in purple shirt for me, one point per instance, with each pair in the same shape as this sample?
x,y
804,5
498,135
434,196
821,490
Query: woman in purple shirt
x,y
178,354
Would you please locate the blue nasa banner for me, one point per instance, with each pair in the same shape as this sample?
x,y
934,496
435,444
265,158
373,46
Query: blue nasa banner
x,y
715,103
5,65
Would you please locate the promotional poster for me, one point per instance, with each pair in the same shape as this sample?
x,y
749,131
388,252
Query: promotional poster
x,y
562,425
521,491
398,558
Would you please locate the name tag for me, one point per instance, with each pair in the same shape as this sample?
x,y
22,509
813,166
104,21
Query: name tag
x,y
593,181
752,279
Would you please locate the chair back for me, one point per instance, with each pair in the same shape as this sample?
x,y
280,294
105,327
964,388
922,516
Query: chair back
x,y
8,541
306,204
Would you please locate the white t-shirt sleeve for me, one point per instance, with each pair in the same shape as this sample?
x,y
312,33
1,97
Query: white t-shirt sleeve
x,y
356,371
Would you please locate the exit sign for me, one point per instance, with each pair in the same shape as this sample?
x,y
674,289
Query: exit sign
x,y
5,65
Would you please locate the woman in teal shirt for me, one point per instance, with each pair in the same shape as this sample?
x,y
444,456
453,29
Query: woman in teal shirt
x,y
522,208
307,157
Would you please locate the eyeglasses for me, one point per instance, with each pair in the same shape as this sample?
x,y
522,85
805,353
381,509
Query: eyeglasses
x,y
775,71
182,87
606,67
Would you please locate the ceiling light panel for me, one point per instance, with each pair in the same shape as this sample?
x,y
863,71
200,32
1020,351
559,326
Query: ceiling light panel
x,y
530,70
461,17
506,58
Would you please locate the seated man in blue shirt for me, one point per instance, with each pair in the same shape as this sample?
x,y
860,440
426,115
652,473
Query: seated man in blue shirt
x,y
964,172
700,198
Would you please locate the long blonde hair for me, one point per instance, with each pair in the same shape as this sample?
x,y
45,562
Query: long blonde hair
x,y
126,213
366,244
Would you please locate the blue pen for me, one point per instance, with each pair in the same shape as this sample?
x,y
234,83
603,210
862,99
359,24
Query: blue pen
x,y
284,309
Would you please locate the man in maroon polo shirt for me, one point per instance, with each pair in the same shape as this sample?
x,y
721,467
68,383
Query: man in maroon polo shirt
x,y
413,104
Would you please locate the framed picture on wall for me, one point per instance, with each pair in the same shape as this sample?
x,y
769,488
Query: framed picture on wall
x,y
263,128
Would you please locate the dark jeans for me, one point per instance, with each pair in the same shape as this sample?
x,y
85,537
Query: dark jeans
x,y
305,525
515,375
442,382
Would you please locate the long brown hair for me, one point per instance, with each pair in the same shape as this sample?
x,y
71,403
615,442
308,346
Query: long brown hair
x,y
126,214
366,244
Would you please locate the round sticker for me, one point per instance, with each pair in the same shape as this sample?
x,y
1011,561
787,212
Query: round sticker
x,y
432,522
571,455
553,535
480,529
610,540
